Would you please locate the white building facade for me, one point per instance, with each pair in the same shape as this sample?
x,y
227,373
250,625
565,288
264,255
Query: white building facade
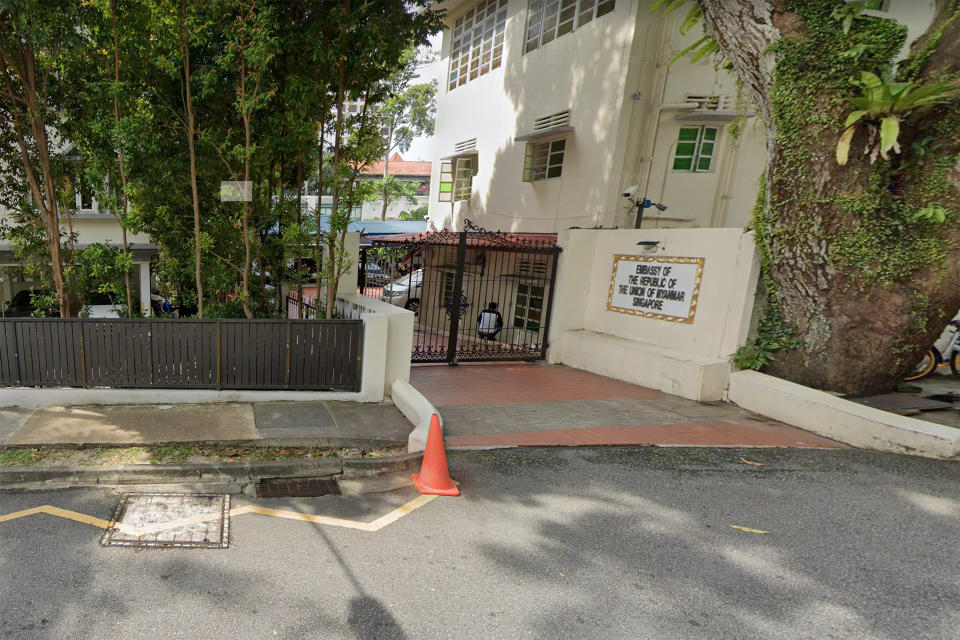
x,y
89,223
552,110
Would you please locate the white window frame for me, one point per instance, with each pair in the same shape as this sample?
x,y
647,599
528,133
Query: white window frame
x,y
543,160
476,45
464,170
521,311
78,198
548,20
699,152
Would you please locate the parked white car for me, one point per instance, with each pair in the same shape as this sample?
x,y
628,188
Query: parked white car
x,y
102,305
405,292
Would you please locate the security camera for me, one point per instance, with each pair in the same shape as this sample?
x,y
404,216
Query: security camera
x,y
661,207
631,191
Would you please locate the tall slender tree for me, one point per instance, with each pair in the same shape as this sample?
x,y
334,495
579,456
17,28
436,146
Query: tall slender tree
x,y
33,35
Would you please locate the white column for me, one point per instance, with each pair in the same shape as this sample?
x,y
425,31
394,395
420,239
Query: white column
x,y
144,269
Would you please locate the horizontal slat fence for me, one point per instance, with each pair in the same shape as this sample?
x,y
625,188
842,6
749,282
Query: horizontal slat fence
x,y
181,354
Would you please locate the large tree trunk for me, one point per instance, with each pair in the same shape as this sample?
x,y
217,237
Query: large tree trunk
x,y
248,204
32,117
191,133
386,172
334,247
864,289
120,153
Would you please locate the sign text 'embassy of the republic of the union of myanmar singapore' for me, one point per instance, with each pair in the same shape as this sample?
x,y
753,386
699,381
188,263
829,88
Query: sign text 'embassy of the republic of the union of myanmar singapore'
x,y
658,287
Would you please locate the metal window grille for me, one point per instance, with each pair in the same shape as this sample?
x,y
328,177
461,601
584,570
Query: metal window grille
x,y
477,44
448,284
547,20
543,160
695,149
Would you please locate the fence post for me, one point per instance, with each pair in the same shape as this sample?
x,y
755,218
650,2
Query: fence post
x,y
552,285
83,355
455,308
286,380
218,355
16,343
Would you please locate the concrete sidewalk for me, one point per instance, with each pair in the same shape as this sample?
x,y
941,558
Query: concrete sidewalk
x,y
524,404
495,405
326,424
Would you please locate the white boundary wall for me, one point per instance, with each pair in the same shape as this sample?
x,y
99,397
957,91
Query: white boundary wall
x,y
387,342
841,419
689,360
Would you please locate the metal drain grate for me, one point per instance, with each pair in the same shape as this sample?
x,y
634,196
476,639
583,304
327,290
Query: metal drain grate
x,y
172,520
297,487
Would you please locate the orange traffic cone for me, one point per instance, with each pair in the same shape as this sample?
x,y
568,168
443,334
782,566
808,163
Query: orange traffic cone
x,y
434,476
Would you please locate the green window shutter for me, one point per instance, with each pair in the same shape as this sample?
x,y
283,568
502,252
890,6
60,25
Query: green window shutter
x,y
446,181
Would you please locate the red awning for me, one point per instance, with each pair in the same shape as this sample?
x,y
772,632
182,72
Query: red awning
x,y
486,239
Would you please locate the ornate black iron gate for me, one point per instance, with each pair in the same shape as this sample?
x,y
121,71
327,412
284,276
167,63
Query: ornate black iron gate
x,y
478,295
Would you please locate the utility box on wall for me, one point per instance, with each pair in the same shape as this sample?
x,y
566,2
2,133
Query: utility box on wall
x,y
663,308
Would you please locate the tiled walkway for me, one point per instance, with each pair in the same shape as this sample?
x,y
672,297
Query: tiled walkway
x,y
521,404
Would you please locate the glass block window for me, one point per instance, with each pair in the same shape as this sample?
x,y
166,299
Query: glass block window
x,y
547,20
477,44
528,307
543,160
695,149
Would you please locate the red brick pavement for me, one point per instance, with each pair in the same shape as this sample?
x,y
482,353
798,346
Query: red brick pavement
x,y
501,383
506,383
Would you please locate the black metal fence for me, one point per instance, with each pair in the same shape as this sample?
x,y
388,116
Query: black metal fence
x,y
191,354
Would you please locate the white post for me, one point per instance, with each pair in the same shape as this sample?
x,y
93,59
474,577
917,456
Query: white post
x,y
144,269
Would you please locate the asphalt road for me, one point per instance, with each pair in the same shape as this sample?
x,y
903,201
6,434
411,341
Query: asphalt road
x,y
561,543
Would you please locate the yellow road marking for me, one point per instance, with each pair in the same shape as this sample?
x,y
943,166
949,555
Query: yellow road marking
x,y
376,525
60,513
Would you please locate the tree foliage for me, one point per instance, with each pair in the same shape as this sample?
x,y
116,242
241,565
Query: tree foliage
x,y
190,94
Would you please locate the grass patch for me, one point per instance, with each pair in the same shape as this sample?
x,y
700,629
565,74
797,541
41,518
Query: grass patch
x,y
28,457
179,454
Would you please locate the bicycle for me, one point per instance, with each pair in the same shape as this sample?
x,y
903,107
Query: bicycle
x,y
933,358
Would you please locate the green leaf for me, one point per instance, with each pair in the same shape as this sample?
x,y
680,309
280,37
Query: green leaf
x,y
692,19
854,117
843,145
889,132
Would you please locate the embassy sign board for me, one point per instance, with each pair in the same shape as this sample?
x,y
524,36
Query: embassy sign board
x,y
658,287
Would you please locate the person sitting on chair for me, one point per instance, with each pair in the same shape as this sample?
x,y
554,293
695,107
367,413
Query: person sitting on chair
x,y
489,322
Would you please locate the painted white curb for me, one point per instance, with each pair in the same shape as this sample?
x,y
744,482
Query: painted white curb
x,y
417,410
841,420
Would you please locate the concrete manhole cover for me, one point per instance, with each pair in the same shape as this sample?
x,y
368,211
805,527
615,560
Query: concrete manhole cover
x,y
176,520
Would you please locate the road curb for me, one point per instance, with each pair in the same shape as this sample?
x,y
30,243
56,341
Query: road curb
x,y
240,473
